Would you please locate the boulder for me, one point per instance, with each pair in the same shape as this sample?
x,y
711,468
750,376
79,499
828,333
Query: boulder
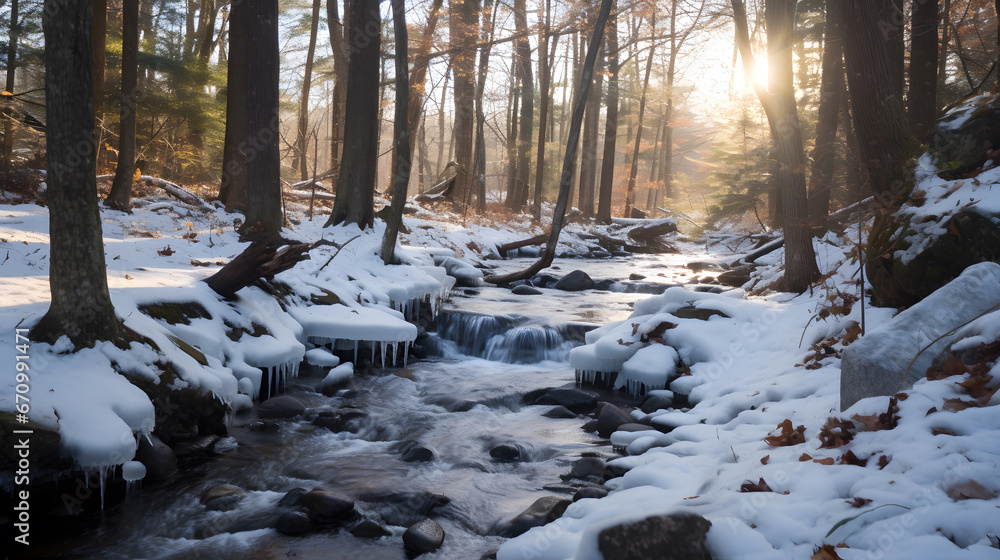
x,y
543,280
506,453
610,418
295,522
660,400
636,276
545,510
282,406
293,498
700,313
888,359
736,277
559,412
525,290
663,537
579,402
575,281
265,427
418,454
368,529
222,497
424,536
327,506
589,468
964,148
159,460
634,427
590,492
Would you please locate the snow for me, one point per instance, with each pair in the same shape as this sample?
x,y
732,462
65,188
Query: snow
x,y
322,357
338,376
747,375
87,396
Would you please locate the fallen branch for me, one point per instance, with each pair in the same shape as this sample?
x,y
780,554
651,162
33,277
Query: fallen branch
x,y
652,246
536,240
259,260
173,189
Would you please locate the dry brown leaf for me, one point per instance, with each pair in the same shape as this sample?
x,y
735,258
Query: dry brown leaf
x,y
850,458
836,433
883,462
765,459
788,436
165,252
760,486
957,405
970,490
824,461
826,552
942,432
859,502
885,421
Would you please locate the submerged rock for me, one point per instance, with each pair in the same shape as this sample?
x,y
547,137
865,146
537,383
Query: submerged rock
x,y
506,453
577,401
159,460
525,290
575,281
222,497
418,454
294,498
663,537
545,510
294,522
327,506
282,406
610,418
368,529
424,536
589,468
559,412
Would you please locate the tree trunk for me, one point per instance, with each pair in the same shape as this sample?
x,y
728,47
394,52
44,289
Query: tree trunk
x,y
263,214
922,96
401,133
611,128
120,196
8,124
579,105
81,306
778,101
463,24
831,92
479,158
885,143
211,10
545,78
98,33
356,183
418,75
303,129
634,170
440,130
338,43
942,75
233,189
588,152
523,165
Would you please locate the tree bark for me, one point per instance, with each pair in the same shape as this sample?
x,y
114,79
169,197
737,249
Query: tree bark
x,y
303,128
522,47
211,11
259,260
263,214
922,97
831,92
588,152
98,32
233,188
579,105
463,25
885,143
81,306
356,183
338,43
778,101
8,124
479,158
634,170
120,197
544,78
418,74
611,127
401,133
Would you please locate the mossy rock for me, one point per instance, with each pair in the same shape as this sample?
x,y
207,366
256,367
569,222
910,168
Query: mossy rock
x,y
190,350
962,149
236,333
326,298
44,446
971,238
181,413
176,313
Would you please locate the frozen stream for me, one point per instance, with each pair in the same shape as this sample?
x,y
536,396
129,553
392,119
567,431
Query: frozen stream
x,y
456,405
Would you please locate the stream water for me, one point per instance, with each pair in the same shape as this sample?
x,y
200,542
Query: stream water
x,y
494,346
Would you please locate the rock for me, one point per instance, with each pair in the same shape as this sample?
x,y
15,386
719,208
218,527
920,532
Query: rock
x,y
340,421
282,406
736,277
665,537
159,459
966,239
424,536
885,360
961,149
634,427
575,281
604,285
545,510
699,266
652,288
327,506
368,529
222,497
579,402
590,492
705,288
418,454
265,427
195,446
590,426
654,402
506,453
610,418
294,522
636,276
559,412
543,280
589,468
614,470
525,290
466,275
293,498
701,313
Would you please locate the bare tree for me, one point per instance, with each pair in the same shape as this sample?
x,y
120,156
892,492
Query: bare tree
x,y
831,93
120,196
611,128
303,128
401,133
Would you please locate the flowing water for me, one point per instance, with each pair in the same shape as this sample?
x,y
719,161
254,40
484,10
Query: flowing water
x,y
493,348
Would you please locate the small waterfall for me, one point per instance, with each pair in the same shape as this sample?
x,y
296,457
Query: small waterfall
x,y
504,338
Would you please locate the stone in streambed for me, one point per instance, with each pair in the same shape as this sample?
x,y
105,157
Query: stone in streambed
x,y
282,406
589,468
327,506
418,454
575,281
525,290
591,492
559,412
294,522
159,460
579,402
506,453
368,529
663,537
293,498
610,418
222,497
545,510
424,536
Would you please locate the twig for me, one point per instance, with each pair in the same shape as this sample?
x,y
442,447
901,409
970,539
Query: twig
x,y
336,253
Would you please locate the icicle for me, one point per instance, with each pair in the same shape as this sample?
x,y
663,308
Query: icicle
x,y
382,345
355,352
373,352
103,469
406,352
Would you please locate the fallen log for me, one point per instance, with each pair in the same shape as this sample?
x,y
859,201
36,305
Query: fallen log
x,y
536,240
653,229
259,260
652,246
173,189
